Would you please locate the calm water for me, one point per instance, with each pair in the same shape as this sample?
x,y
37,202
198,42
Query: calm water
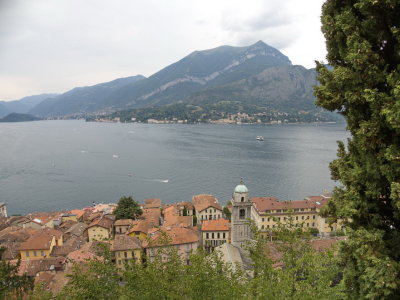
x,y
54,165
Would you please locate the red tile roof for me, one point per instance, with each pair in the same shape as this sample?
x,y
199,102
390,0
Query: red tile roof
x,y
102,222
203,201
263,204
125,242
215,225
176,236
152,203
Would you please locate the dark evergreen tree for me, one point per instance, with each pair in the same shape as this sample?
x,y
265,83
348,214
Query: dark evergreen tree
x,y
127,209
362,39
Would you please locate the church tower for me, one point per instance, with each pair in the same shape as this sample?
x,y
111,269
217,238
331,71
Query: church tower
x,y
241,215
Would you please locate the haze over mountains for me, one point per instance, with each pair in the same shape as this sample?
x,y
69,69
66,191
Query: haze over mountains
x,y
258,75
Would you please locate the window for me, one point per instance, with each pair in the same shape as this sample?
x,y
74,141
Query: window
x,y
206,210
308,224
125,254
34,253
268,219
223,235
313,217
273,226
119,254
302,217
212,235
262,226
263,219
119,261
218,235
210,217
242,200
120,230
215,210
313,224
207,235
42,253
297,217
267,226
242,214
27,253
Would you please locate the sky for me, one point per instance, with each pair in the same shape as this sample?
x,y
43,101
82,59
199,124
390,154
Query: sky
x,y
49,46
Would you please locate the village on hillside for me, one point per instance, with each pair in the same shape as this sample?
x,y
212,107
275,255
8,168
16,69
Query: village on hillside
x,y
47,244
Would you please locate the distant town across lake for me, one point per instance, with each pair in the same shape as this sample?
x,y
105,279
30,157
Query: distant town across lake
x,y
58,165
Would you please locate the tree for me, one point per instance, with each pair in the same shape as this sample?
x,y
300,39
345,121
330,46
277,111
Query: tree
x,y
227,213
127,209
13,286
363,43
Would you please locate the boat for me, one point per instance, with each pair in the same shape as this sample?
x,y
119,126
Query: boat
x,y
259,138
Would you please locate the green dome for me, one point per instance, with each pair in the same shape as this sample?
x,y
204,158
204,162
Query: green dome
x,y
241,188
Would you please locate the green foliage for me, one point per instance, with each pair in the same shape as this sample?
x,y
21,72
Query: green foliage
x,y
363,43
227,213
301,273
97,279
11,284
127,209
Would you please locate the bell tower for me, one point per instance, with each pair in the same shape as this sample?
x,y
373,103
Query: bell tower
x,y
241,215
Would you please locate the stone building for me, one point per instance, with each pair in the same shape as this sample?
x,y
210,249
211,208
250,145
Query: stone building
x,y
241,216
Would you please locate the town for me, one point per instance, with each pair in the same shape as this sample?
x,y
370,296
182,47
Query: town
x,y
47,244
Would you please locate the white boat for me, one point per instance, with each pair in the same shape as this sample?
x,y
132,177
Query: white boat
x,y
259,138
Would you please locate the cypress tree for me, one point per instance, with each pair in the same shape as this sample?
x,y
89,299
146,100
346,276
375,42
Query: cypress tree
x,y
362,39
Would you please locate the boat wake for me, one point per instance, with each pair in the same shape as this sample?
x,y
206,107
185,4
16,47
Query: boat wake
x,y
115,156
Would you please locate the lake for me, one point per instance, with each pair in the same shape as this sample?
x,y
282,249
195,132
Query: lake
x,y
57,165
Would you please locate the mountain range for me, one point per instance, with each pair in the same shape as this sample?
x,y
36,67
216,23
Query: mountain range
x,y
257,75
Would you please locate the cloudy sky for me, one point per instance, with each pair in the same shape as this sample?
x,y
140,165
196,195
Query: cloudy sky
x,y
49,46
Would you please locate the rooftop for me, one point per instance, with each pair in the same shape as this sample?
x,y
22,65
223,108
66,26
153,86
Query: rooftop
x,y
203,201
125,242
215,225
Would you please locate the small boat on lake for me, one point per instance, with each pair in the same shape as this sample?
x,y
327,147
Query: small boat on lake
x,y
259,138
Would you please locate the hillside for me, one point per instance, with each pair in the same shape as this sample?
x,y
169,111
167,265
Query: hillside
x,y
255,78
15,117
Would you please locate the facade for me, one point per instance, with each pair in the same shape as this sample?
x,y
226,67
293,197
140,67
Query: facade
x,y
100,229
241,216
122,226
3,210
183,240
126,249
214,233
270,213
41,244
206,207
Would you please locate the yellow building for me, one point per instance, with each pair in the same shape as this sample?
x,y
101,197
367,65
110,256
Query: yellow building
x,y
140,229
100,229
214,233
268,213
41,244
122,226
125,249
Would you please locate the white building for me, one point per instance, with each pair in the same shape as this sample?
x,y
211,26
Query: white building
x,y
3,210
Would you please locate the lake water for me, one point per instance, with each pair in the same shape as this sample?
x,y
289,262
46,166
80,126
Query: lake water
x,y
57,165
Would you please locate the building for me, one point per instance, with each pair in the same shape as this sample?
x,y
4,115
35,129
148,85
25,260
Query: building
x,y
183,240
100,229
126,248
41,244
270,213
140,229
122,226
241,216
214,233
206,207
3,210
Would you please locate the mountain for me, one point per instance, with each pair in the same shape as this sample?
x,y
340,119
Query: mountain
x,y
3,110
26,104
198,71
83,100
15,117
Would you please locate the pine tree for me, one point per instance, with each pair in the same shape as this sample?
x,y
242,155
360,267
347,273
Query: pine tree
x,y
127,209
363,43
